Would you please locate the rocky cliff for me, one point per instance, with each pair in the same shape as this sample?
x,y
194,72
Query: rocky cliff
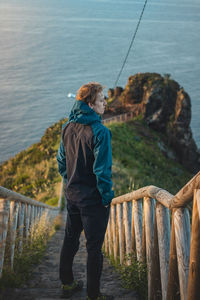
x,y
165,106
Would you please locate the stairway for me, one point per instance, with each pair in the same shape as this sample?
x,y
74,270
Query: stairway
x,y
45,284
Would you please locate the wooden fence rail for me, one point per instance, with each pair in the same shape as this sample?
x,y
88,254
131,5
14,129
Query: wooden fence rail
x,y
155,226
119,118
20,218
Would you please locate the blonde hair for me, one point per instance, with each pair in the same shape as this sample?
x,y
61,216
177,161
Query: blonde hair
x,y
88,92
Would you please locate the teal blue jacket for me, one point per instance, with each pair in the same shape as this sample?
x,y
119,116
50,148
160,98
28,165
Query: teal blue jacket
x,y
86,125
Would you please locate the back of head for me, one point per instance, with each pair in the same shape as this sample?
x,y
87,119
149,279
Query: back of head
x,y
88,92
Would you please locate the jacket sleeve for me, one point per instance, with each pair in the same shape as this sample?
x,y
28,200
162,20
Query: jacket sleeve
x,y
61,159
102,167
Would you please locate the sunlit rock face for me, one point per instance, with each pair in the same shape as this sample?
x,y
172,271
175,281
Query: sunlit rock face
x,y
166,107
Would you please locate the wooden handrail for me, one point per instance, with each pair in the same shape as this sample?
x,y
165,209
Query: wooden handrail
x,y
185,195
21,216
181,199
13,196
151,191
140,223
119,118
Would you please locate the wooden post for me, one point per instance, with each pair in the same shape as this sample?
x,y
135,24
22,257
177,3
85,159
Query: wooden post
x,y
109,236
194,269
123,234
14,208
35,214
32,222
4,216
119,222
163,226
21,226
41,209
173,280
149,207
38,214
116,235
113,231
105,243
132,228
116,232
27,220
155,287
182,233
127,231
137,212
143,236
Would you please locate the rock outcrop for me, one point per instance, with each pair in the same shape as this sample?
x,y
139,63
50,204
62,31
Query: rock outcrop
x,y
166,107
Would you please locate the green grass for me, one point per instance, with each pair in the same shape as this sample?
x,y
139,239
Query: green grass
x,y
138,160
23,265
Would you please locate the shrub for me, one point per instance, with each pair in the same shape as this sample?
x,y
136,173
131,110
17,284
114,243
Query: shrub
x,y
135,276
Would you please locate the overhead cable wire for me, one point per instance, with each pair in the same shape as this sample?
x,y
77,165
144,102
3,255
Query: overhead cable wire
x,y
132,40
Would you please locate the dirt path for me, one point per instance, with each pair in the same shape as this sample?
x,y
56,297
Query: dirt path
x,y
45,284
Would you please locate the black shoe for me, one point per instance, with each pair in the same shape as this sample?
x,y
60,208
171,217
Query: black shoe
x,y
102,297
69,289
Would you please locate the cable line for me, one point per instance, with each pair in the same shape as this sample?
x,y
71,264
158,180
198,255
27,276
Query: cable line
x,y
133,38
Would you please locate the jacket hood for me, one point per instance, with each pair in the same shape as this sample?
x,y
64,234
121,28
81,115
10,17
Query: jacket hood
x,y
83,114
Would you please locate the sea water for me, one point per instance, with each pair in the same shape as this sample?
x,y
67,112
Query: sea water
x,y
49,48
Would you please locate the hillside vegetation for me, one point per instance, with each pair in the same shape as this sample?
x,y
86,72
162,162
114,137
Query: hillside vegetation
x,y
137,161
33,172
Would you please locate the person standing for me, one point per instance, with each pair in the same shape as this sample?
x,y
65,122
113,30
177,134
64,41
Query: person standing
x,y
85,162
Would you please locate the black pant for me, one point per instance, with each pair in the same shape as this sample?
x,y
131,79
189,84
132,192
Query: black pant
x,y
93,220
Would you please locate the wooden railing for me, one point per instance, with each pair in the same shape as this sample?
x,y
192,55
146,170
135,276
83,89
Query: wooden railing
x,y
20,218
119,118
155,225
